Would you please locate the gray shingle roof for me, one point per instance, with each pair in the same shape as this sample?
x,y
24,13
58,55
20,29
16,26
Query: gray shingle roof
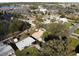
x,y
24,43
6,50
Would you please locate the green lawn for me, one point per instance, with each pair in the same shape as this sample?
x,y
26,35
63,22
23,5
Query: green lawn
x,y
29,51
69,24
72,43
77,31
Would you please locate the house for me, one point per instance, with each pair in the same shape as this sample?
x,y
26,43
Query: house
x,y
42,9
38,34
59,19
25,43
6,50
46,19
63,19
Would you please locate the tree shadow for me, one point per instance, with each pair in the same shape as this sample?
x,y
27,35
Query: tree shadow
x,y
51,37
77,49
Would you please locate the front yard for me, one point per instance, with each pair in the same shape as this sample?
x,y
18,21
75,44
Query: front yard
x,y
77,31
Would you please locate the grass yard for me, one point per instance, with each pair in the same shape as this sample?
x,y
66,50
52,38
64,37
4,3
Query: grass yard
x,y
69,24
72,43
77,31
29,51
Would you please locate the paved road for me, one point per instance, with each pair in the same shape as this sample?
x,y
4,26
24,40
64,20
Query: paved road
x,y
71,31
74,28
74,37
75,34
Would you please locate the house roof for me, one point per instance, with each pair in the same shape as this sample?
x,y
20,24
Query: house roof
x,y
24,43
5,50
38,33
64,19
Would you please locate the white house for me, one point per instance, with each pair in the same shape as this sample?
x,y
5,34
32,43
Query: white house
x,y
42,9
63,19
25,43
6,50
58,19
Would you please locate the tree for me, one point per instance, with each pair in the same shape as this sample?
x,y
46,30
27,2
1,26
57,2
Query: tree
x,y
58,47
3,29
77,49
55,28
17,25
56,43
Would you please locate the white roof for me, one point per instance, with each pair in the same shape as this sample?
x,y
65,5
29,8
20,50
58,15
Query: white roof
x,y
5,50
43,9
63,19
25,42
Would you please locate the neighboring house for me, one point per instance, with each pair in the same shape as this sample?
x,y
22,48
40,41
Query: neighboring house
x,y
30,40
6,50
46,19
42,9
25,43
63,19
38,34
